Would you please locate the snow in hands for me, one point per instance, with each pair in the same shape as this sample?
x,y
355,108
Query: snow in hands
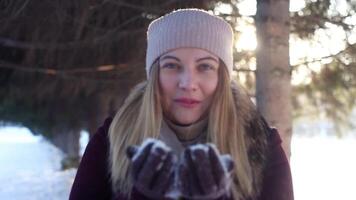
x,y
201,173
152,168
204,173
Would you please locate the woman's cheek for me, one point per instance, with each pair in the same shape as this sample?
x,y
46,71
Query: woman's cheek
x,y
167,85
209,84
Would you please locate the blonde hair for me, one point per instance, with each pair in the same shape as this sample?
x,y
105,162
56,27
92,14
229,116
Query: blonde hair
x,y
227,132
141,115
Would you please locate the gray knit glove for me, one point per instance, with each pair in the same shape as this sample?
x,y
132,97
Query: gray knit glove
x,y
152,168
204,173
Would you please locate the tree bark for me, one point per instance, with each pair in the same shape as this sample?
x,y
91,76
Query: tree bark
x,y
68,143
273,74
106,105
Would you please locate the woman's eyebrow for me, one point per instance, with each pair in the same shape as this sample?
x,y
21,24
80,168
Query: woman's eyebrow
x,y
207,58
170,57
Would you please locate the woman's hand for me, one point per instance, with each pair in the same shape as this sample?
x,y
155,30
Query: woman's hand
x,y
204,173
152,168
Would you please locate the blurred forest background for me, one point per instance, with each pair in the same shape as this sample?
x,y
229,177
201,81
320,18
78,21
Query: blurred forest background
x,y
67,65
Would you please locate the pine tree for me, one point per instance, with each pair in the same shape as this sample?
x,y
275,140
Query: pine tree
x,y
273,74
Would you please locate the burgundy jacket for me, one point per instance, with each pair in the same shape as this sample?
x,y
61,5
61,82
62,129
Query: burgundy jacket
x,y
92,180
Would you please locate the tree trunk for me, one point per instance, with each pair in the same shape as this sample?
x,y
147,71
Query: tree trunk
x,y
273,74
68,143
106,106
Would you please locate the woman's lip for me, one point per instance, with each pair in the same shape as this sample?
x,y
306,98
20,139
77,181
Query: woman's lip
x,y
186,102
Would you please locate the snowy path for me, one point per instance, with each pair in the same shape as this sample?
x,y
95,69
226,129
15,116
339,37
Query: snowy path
x,y
322,168
29,168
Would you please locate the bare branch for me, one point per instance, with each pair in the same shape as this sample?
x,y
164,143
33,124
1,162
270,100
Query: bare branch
x,y
53,71
312,61
153,10
245,70
72,44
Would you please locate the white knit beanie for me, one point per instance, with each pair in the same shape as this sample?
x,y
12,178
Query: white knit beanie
x,y
189,28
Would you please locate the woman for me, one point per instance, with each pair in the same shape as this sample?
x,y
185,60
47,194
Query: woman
x,y
189,131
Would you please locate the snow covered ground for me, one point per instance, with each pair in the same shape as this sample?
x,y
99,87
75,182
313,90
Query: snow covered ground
x,y
322,167
29,168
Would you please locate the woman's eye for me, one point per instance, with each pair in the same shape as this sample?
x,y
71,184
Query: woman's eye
x,y
205,67
170,66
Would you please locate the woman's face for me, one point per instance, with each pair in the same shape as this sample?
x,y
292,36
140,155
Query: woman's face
x,y
188,78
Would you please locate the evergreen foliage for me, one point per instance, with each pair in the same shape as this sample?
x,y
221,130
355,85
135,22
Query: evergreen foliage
x,y
59,58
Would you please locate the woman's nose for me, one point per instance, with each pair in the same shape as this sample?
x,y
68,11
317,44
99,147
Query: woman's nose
x,y
188,81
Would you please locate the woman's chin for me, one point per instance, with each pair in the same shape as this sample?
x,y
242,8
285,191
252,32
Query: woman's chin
x,y
185,121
